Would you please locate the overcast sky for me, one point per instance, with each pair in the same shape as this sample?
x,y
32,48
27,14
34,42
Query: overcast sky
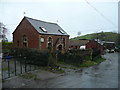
x,y
85,16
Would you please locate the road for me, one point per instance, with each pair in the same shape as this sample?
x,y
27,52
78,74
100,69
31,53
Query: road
x,y
104,75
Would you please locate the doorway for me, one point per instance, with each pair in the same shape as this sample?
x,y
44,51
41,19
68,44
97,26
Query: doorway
x,y
60,47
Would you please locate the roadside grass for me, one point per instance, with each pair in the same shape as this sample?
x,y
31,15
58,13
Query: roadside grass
x,y
27,76
89,63
5,69
60,71
68,67
61,62
30,76
54,70
2,80
99,60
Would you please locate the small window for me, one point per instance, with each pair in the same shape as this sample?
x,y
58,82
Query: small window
x,y
24,38
64,41
61,31
42,40
17,43
49,42
43,29
25,41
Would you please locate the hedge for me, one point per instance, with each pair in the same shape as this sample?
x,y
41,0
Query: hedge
x,y
33,56
75,56
47,58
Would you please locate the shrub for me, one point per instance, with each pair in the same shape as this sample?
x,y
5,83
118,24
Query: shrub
x,y
32,56
6,46
74,56
95,54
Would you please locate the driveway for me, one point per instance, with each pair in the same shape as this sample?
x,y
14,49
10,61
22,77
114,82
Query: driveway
x,y
104,75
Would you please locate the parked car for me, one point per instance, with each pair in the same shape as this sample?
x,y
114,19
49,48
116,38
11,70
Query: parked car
x,y
110,50
117,49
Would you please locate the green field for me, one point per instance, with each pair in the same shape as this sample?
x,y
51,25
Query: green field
x,y
105,36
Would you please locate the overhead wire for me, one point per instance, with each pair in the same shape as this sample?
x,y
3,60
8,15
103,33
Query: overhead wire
x,y
100,13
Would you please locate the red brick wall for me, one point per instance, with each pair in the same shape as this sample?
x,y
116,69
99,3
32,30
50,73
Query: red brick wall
x,y
25,28
74,47
94,44
54,38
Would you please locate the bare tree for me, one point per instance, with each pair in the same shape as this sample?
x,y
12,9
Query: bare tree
x,y
3,32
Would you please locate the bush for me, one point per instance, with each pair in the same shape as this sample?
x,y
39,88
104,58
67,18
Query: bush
x,y
47,58
75,57
95,54
32,56
6,46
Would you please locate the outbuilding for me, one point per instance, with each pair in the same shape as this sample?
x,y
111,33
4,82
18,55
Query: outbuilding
x,y
85,44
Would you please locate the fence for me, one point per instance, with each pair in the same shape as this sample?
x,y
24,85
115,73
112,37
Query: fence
x,y
13,67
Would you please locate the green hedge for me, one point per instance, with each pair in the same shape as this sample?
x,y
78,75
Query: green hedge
x,y
47,58
33,56
75,56
6,46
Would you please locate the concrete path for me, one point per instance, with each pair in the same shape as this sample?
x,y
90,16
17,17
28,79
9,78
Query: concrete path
x,y
20,81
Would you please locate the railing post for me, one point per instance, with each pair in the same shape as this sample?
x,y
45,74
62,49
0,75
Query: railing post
x,y
34,67
2,68
15,66
8,68
25,66
30,67
20,67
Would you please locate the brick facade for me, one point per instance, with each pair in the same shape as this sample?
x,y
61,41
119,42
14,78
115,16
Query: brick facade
x,y
94,44
33,39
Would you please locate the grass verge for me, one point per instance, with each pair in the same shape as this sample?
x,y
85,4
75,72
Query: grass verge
x,y
27,76
54,70
89,63
5,69
86,63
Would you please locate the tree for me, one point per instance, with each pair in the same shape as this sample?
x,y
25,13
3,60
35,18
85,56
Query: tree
x,y
3,32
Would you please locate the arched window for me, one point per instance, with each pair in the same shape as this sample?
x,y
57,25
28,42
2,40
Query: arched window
x,y
64,42
24,38
49,42
25,41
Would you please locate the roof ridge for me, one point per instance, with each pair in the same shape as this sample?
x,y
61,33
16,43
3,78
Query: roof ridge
x,y
40,20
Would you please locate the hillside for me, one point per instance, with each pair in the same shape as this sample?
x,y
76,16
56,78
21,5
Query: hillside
x,y
105,36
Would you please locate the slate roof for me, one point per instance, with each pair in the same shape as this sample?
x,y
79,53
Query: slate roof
x,y
52,28
78,42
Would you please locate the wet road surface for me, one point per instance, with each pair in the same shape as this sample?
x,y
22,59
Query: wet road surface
x,y
104,75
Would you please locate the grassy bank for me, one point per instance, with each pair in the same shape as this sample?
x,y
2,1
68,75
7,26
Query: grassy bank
x,y
54,70
91,63
86,63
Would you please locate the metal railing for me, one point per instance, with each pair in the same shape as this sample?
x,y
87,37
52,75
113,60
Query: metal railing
x,y
13,67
